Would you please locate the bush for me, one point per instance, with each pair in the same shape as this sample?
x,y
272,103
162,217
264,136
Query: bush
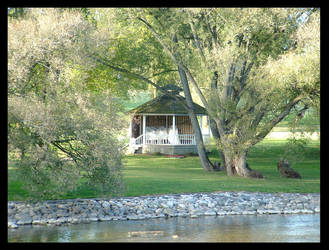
x,y
61,144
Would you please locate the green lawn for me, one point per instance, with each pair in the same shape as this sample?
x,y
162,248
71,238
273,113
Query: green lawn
x,y
150,174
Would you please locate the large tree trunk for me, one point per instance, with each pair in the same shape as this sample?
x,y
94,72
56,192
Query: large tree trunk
x,y
212,122
236,164
205,162
215,134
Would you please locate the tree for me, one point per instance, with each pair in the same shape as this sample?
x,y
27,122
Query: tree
x,y
232,58
254,66
58,129
16,12
138,57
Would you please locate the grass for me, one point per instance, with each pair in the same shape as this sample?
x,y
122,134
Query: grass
x,y
150,174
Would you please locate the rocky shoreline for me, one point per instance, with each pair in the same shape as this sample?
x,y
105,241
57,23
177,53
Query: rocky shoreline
x,y
58,212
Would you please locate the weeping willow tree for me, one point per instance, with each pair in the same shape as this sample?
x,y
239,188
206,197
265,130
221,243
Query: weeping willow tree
x,y
249,67
60,133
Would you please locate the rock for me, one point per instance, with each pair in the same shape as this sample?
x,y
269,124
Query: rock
x,y
132,217
210,212
181,206
12,225
170,203
287,211
39,222
211,204
221,213
273,211
300,206
106,205
203,203
53,221
92,215
61,206
192,205
307,211
260,211
23,219
74,220
105,218
169,212
159,212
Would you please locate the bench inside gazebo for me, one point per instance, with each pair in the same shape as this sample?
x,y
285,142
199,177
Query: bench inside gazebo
x,y
162,125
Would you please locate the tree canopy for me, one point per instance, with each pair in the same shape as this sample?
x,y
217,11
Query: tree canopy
x,y
249,67
58,128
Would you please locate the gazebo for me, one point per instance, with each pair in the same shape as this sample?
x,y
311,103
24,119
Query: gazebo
x,y
162,125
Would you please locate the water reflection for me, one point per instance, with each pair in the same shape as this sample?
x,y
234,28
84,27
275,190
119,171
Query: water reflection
x,y
235,228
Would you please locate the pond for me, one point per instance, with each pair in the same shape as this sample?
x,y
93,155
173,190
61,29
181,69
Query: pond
x,y
229,228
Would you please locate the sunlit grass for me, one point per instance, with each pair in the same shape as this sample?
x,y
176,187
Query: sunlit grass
x,y
150,174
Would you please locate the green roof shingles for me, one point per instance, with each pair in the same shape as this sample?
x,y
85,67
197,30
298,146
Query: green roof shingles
x,y
164,104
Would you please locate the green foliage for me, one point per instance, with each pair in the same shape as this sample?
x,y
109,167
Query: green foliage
x,y
266,60
136,98
127,43
45,174
16,12
63,142
59,130
295,150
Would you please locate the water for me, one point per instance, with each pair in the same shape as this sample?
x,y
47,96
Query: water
x,y
230,228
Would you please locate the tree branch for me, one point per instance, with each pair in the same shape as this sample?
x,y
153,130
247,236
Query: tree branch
x,y
175,60
62,141
213,33
196,39
73,156
276,120
164,72
137,76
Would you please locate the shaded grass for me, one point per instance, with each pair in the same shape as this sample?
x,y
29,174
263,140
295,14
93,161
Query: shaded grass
x,y
150,174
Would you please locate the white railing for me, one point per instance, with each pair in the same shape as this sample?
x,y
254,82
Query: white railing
x,y
158,140
168,139
137,141
187,139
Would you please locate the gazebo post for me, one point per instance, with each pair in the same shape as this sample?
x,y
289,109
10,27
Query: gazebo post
x,y
130,128
144,129
174,129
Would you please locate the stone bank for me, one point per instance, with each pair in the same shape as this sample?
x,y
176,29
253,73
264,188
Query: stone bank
x,y
58,212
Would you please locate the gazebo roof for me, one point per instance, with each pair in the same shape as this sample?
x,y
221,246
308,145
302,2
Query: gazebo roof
x,y
165,104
